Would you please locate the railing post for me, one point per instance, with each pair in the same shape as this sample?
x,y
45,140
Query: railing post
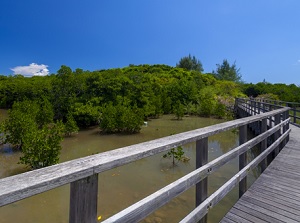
x,y
201,159
277,133
83,200
287,115
263,144
242,159
294,113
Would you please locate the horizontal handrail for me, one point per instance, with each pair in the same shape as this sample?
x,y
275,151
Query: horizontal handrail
x,y
27,184
146,206
199,212
82,173
277,101
279,104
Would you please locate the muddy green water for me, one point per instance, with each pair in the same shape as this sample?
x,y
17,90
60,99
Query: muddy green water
x,y
125,185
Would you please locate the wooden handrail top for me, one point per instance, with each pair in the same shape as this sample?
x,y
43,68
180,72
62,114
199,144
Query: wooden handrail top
x,y
266,103
24,185
285,102
143,207
217,196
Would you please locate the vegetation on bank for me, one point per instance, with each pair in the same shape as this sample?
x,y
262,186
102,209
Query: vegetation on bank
x,y
43,109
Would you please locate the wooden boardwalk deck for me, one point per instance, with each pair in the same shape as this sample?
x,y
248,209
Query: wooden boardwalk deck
x,y
275,195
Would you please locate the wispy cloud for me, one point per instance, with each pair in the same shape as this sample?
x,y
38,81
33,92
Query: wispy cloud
x,y
32,69
297,63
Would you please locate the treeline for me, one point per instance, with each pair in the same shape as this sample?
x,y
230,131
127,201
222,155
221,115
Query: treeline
x,y
139,91
118,100
43,109
283,92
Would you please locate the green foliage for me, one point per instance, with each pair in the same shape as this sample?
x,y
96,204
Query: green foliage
x,y
41,147
190,63
176,154
206,101
150,89
283,92
45,112
39,139
228,72
70,125
121,118
86,114
269,96
220,110
21,119
2,136
178,110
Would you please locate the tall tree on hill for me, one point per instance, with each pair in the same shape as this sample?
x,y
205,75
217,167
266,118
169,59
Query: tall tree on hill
x,y
190,63
228,72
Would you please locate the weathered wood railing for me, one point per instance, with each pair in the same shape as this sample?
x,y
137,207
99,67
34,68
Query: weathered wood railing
x,y
274,104
82,174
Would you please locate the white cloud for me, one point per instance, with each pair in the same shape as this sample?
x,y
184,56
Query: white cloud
x,y
32,69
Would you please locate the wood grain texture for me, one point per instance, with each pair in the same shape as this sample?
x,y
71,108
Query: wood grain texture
x,y
275,195
144,207
83,200
82,173
24,185
213,199
242,159
201,160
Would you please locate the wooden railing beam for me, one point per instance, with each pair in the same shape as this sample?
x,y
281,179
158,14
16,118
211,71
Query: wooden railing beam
x,y
201,160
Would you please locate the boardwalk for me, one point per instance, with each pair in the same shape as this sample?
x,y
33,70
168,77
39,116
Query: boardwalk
x,y
277,190
275,195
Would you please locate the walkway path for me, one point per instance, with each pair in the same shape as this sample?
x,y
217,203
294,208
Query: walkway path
x,y
275,195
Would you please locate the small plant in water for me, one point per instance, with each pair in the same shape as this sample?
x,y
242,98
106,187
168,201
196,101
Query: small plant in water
x,y
177,154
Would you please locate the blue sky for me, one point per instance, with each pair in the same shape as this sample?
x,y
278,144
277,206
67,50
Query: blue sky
x,y
262,36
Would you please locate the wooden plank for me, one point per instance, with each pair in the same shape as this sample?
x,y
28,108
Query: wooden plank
x,y
279,198
278,213
291,213
277,134
28,184
281,184
201,160
285,169
237,218
248,209
265,211
263,144
83,200
277,189
74,171
245,215
276,194
242,159
144,207
213,199
269,190
227,220
285,175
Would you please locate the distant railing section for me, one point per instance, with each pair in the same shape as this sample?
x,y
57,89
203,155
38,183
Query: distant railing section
x,y
274,104
82,174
